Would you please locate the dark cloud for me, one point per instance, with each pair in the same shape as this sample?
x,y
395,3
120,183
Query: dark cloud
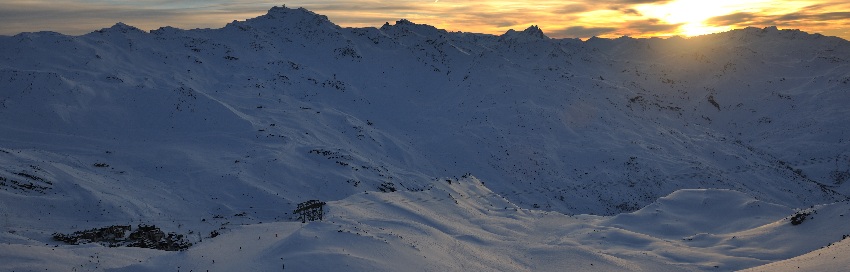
x,y
802,17
503,23
650,26
573,8
624,6
732,19
359,7
624,9
631,11
581,32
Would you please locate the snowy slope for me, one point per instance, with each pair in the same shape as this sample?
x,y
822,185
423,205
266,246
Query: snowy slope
x,y
464,226
208,129
831,258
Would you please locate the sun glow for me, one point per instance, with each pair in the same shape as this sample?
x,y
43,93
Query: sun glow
x,y
692,14
557,18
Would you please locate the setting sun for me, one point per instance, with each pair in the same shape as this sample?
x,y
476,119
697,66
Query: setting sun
x,y
691,14
557,18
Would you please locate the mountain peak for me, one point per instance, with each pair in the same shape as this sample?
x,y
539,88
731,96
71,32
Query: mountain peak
x,y
405,26
300,13
120,27
533,32
285,17
283,10
404,22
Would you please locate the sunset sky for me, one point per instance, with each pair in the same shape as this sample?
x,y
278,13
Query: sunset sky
x,y
558,19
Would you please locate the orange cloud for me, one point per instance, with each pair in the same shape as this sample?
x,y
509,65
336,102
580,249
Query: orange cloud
x,y
832,19
607,18
559,19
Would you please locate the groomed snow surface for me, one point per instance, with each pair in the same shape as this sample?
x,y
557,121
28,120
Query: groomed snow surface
x,y
433,150
463,226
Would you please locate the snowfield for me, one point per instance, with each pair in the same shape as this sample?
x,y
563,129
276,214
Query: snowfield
x,y
432,150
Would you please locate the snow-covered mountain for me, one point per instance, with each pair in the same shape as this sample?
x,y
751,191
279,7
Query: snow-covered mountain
x,y
433,149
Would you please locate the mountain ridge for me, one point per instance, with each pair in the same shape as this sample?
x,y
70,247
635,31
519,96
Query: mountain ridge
x,y
174,126
440,58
